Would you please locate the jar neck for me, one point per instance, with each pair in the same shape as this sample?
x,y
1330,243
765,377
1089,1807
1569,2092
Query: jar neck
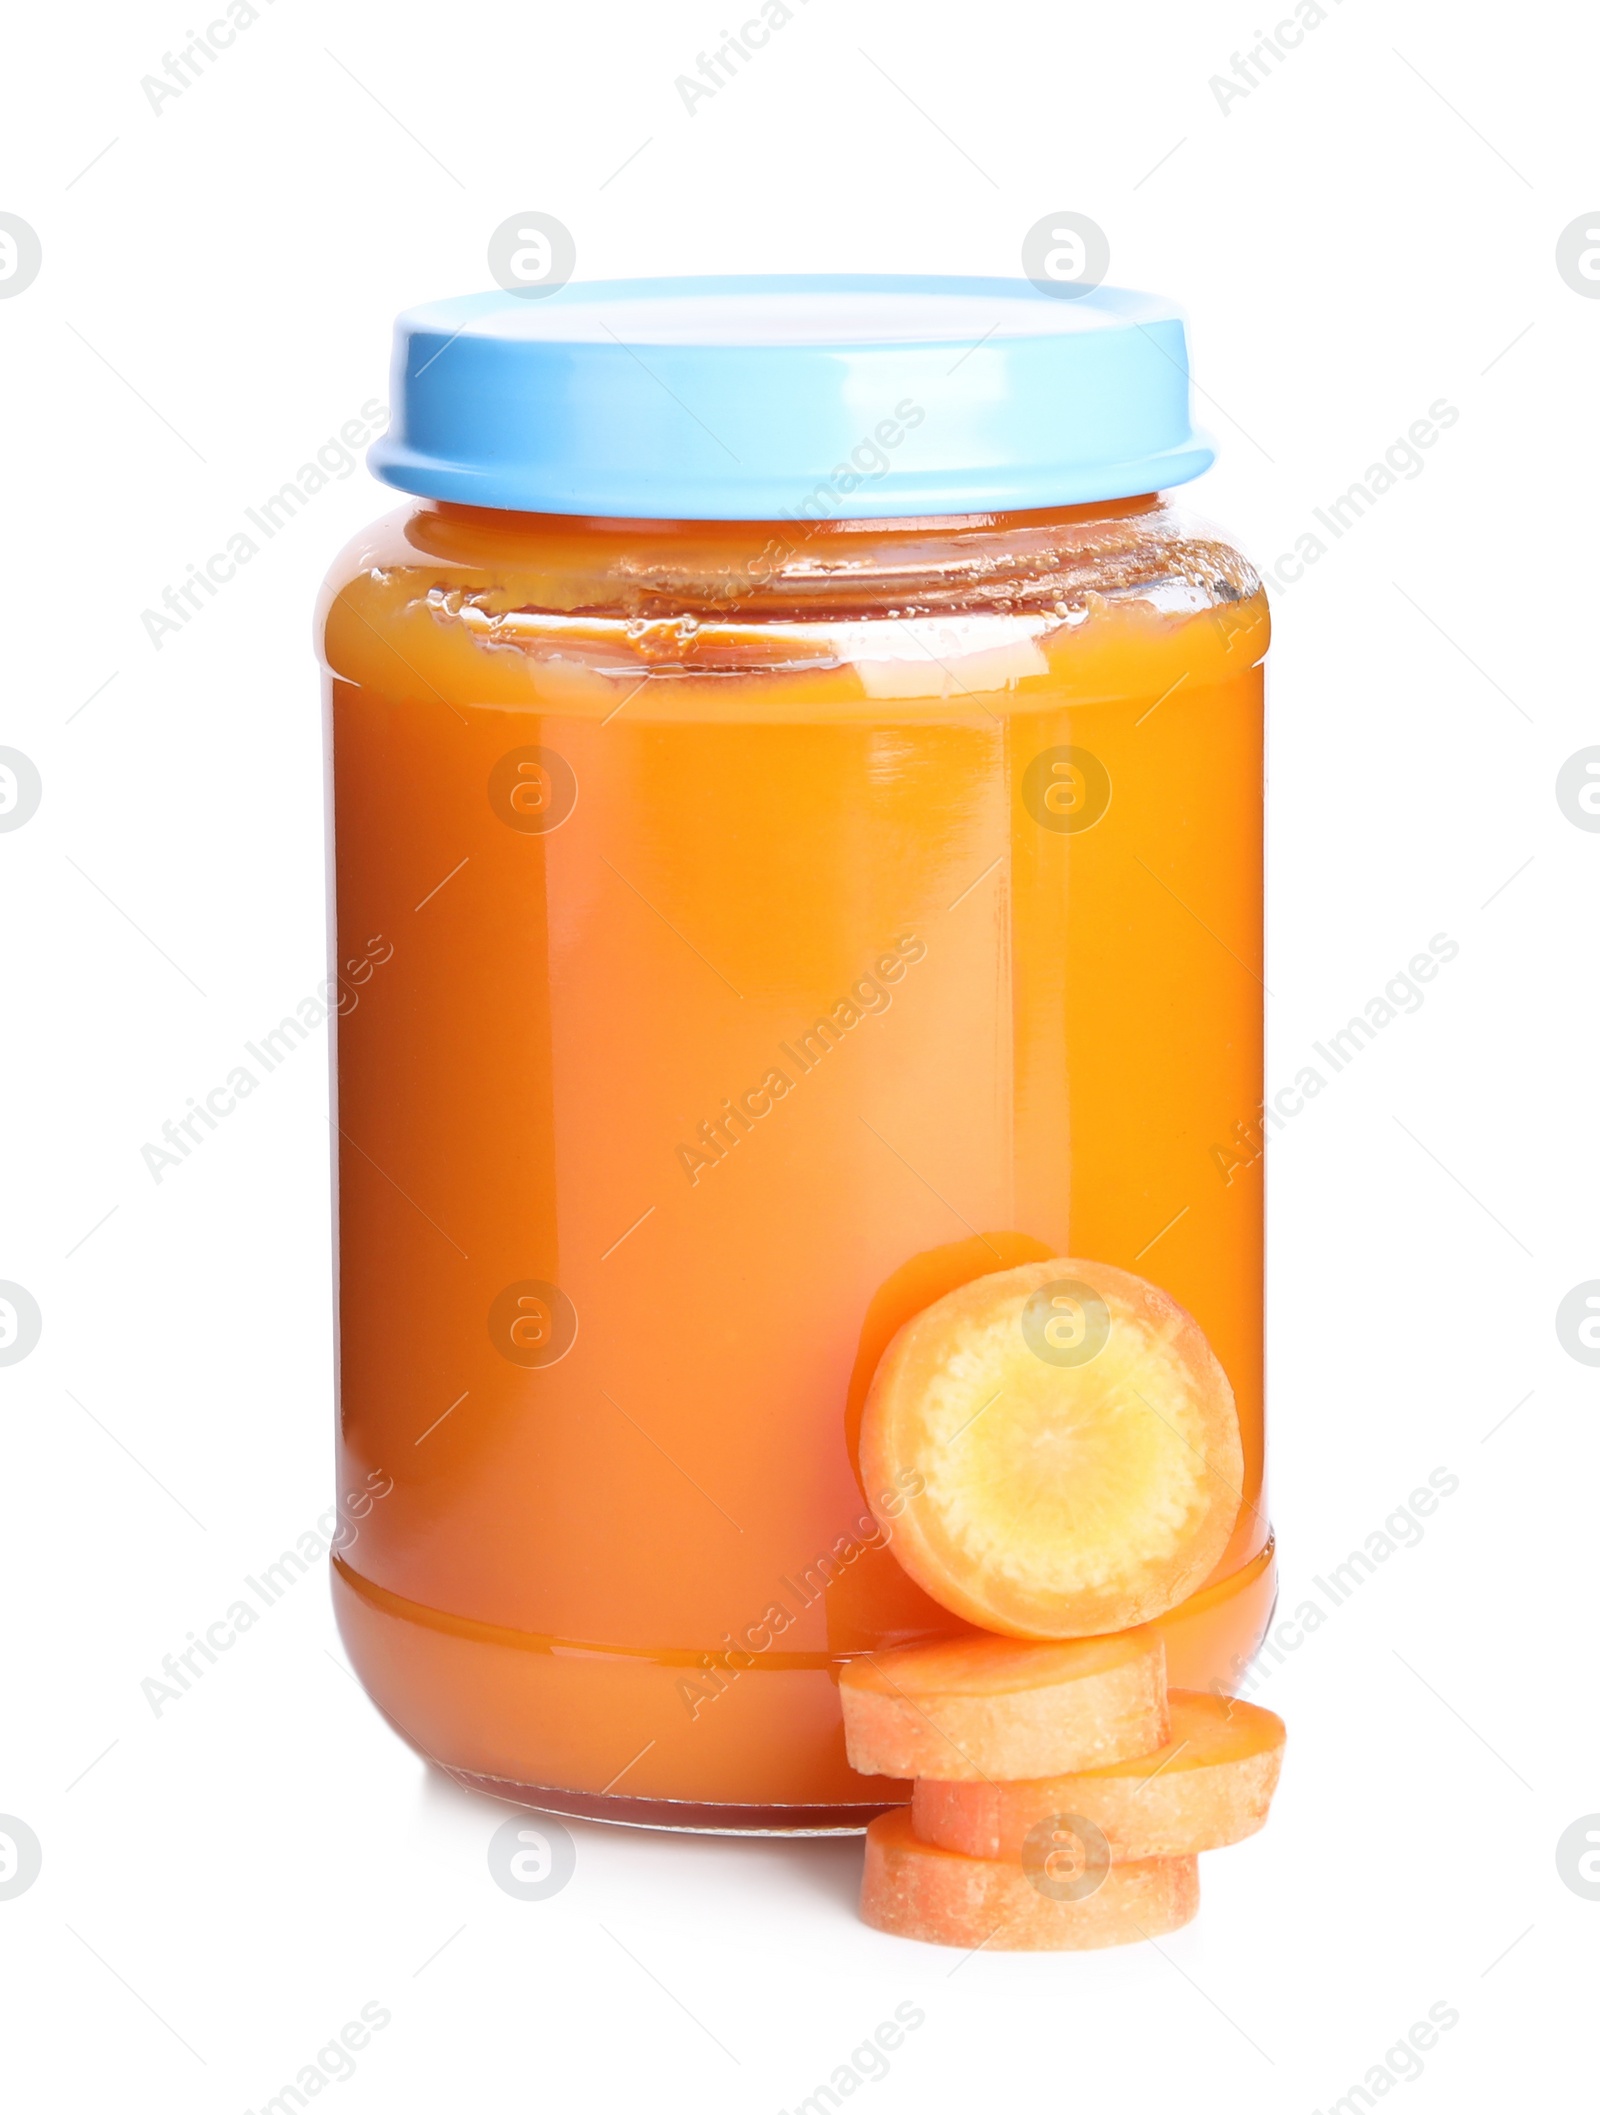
x,y
771,570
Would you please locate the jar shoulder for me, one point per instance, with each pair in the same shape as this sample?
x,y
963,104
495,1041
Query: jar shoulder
x,y
772,597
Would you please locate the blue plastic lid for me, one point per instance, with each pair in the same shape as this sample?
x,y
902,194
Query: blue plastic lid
x,y
823,397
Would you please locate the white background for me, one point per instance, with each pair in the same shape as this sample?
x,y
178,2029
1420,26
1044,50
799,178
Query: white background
x,y
1370,229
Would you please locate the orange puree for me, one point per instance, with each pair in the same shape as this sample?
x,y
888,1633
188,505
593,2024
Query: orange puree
x,y
758,976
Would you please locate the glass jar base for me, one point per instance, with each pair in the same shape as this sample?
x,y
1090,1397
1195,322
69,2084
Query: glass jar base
x,y
682,1816
641,1741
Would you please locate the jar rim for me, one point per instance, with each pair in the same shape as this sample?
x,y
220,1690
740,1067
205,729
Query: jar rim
x,y
795,397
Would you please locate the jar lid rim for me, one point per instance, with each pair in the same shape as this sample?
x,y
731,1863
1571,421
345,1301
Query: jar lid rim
x,y
785,396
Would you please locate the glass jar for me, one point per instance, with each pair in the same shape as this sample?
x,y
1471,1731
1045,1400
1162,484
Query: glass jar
x,y
771,895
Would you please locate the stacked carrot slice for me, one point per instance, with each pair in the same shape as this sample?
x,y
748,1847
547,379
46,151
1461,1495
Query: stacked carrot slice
x,y
1074,1450
1062,1796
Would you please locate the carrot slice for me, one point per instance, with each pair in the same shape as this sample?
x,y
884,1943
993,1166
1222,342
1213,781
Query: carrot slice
x,y
988,1707
1210,1785
918,1891
1072,1444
